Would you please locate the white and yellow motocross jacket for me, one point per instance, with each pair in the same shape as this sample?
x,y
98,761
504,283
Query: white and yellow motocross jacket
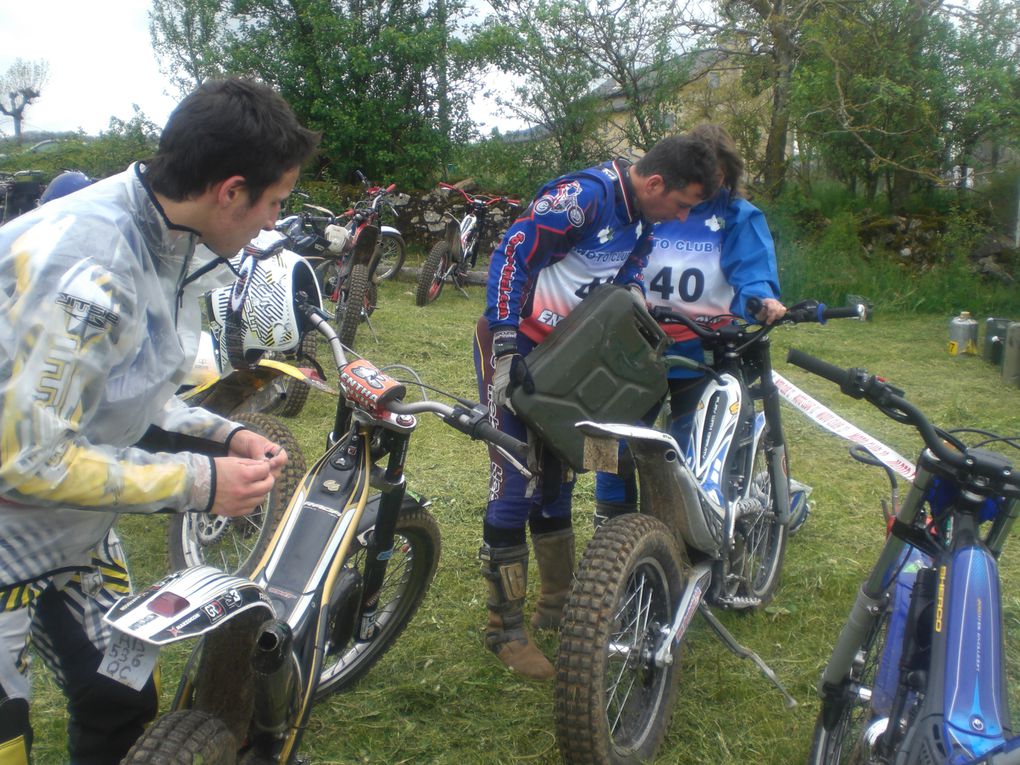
x,y
97,330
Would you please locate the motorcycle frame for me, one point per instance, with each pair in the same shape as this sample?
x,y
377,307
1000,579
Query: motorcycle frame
x,y
959,578
266,701
697,497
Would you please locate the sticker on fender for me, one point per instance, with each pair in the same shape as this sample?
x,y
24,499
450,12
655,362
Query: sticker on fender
x,y
128,660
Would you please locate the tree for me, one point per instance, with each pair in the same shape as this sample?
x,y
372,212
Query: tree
x,y
20,87
903,91
187,36
594,77
366,73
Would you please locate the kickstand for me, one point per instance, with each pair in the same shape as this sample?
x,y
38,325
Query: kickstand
x,y
371,329
745,653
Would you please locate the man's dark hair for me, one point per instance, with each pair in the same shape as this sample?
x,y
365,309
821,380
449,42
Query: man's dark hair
x,y
682,160
730,161
226,128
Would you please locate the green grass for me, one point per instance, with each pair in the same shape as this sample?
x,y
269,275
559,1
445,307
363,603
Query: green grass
x,y
439,697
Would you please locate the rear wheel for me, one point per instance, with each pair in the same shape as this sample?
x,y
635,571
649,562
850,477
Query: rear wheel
x,y
392,252
612,703
409,573
236,544
431,277
759,537
185,737
352,309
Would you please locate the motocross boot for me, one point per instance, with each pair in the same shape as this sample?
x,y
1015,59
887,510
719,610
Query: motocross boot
x,y
506,571
605,511
554,552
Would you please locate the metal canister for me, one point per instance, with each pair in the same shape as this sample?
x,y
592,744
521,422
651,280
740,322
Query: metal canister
x,y
963,335
995,340
1011,356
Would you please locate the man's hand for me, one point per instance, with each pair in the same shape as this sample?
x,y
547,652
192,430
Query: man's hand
x,y
241,485
771,311
250,445
509,372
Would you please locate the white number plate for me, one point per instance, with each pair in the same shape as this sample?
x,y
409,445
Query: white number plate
x,y
128,660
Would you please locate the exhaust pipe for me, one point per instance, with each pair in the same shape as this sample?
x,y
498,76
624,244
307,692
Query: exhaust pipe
x,y
275,678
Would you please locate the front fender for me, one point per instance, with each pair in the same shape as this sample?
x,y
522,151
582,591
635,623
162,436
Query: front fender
x,y
186,604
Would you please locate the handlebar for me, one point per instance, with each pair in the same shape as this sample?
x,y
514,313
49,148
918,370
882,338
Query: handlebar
x,y
486,200
857,383
472,421
808,311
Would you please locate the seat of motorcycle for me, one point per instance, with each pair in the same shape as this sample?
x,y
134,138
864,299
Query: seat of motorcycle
x,y
317,209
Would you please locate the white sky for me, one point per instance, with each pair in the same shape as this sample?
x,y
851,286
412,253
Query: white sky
x,y
101,63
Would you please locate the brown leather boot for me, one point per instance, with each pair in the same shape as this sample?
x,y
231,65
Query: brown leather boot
x,y
605,511
506,571
554,553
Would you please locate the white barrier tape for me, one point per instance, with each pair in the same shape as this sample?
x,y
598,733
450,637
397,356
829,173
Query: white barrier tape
x,y
821,414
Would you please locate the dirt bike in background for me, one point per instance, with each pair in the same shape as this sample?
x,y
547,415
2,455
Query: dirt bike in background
x,y
346,280
311,235
457,253
247,393
342,578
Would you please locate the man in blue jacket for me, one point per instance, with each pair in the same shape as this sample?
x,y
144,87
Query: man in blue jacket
x,y
583,229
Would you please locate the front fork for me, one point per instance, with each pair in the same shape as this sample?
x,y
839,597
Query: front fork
x,y
379,547
779,470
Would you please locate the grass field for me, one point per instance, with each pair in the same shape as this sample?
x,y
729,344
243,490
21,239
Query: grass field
x,y
439,697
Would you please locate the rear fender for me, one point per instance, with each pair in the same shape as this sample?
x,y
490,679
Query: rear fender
x,y
186,604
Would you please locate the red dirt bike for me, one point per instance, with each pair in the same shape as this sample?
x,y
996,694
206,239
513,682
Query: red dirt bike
x,y
452,257
348,282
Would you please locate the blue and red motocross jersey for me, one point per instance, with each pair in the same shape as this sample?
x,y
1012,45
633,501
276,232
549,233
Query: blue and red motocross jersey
x,y
581,230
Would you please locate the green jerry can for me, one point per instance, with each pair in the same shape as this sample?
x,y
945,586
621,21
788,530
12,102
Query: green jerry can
x,y
603,362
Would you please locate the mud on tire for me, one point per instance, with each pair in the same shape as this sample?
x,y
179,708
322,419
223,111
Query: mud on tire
x,y
626,586
185,737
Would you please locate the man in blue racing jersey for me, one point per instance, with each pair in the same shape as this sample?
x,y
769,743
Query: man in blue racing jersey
x,y
706,266
581,230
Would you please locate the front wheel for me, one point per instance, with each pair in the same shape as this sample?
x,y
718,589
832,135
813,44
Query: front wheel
x,y
235,544
612,702
839,737
433,273
409,573
392,251
352,309
185,737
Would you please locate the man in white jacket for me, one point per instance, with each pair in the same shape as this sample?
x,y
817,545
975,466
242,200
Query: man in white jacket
x,y
99,323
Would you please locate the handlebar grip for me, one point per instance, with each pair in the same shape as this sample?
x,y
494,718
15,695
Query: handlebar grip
x,y
517,449
818,367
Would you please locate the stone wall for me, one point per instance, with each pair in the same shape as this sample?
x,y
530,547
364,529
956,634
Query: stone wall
x,y
420,218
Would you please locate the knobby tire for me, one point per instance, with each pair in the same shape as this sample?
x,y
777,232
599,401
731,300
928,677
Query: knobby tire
x,y
430,279
351,313
185,737
628,580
